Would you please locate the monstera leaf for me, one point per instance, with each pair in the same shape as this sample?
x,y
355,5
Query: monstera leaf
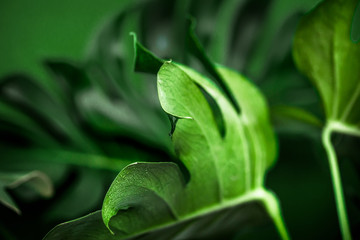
x,y
153,200
325,53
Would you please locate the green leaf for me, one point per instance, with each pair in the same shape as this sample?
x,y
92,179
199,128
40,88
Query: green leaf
x,y
35,180
89,227
144,193
225,171
324,52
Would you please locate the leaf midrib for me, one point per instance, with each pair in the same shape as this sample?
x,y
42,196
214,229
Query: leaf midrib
x,y
258,153
349,107
241,119
213,153
258,194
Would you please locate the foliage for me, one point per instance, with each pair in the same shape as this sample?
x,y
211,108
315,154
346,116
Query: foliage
x,y
36,181
323,50
226,170
100,118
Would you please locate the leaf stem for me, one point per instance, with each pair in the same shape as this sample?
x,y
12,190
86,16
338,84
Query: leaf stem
x,y
273,209
336,180
341,127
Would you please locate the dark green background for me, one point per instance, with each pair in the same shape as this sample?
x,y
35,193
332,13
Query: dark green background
x,y
31,31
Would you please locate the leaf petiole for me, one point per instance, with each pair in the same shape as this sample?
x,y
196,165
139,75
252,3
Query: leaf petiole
x,y
336,179
272,207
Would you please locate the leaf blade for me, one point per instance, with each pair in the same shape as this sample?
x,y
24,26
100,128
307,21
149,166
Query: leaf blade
x,y
324,52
